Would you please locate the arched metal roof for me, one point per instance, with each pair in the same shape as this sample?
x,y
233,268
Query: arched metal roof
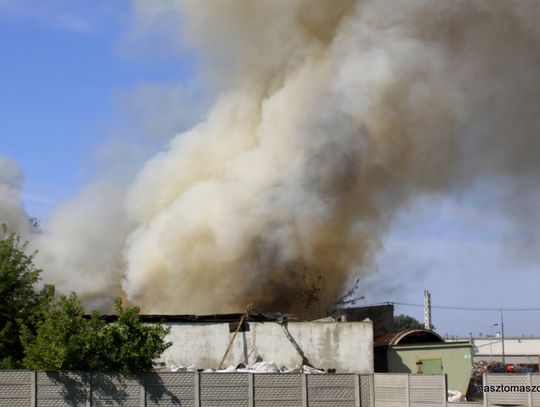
x,y
409,336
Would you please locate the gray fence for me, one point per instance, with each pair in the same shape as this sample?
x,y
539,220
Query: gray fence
x,y
511,389
41,389
406,390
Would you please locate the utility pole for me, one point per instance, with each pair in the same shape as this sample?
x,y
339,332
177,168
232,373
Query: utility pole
x,y
427,310
491,341
502,337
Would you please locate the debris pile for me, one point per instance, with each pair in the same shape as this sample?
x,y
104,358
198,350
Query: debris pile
x,y
454,396
259,367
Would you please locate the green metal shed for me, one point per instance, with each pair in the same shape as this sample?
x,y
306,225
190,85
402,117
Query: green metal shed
x,y
425,352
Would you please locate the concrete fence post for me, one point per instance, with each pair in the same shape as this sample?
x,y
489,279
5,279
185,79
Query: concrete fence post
x,y
251,390
88,378
484,394
445,390
304,391
408,389
372,390
142,390
357,393
197,389
33,388
529,380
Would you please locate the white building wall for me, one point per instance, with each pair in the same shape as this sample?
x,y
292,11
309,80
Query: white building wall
x,y
512,346
516,349
345,346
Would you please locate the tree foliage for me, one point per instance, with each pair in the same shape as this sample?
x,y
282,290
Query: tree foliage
x,y
68,340
402,322
64,338
40,332
21,306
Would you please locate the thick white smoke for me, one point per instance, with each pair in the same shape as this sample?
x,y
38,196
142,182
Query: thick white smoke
x,y
12,212
333,115
337,113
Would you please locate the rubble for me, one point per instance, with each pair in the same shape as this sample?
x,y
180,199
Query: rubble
x,y
454,395
259,367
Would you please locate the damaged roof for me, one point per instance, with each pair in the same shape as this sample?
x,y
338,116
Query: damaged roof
x,y
213,318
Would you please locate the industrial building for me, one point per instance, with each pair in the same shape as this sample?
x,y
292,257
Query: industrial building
x,y
203,341
517,349
425,352
353,340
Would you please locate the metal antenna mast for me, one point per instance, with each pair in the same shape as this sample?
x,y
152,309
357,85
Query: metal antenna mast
x,y
427,310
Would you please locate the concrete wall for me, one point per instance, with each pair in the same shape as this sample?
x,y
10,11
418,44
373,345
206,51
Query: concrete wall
x,y
511,398
62,389
381,315
16,388
456,361
404,390
345,346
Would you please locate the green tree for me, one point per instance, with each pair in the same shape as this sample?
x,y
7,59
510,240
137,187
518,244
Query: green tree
x,y
21,306
64,339
402,322
68,340
128,345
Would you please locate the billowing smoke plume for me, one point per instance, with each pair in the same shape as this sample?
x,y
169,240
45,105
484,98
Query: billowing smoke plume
x,y
81,247
12,212
333,115
337,113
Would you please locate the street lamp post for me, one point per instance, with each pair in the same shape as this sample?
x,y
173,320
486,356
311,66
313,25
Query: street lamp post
x,y
491,341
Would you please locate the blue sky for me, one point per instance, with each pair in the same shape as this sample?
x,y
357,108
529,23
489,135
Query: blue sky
x,y
68,68
75,79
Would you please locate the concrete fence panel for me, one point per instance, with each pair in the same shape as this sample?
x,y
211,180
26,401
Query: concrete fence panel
x,y
16,388
113,389
224,390
535,396
391,390
170,389
427,390
277,390
73,389
62,389
509,389
336,390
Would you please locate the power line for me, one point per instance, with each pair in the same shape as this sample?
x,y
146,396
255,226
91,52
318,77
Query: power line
x,y
458,308
463,318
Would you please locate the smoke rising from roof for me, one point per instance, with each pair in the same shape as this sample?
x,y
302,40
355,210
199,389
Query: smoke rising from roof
x,y
333,115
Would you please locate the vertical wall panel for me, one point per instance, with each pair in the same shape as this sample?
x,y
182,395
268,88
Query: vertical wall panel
x,y
224,390
506,397
15,390
277,390
367,391
233,390
170,389
57,389
115,389
390,390
427,390
331,390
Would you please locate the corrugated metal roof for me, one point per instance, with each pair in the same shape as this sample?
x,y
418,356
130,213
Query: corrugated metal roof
x,y
408,336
